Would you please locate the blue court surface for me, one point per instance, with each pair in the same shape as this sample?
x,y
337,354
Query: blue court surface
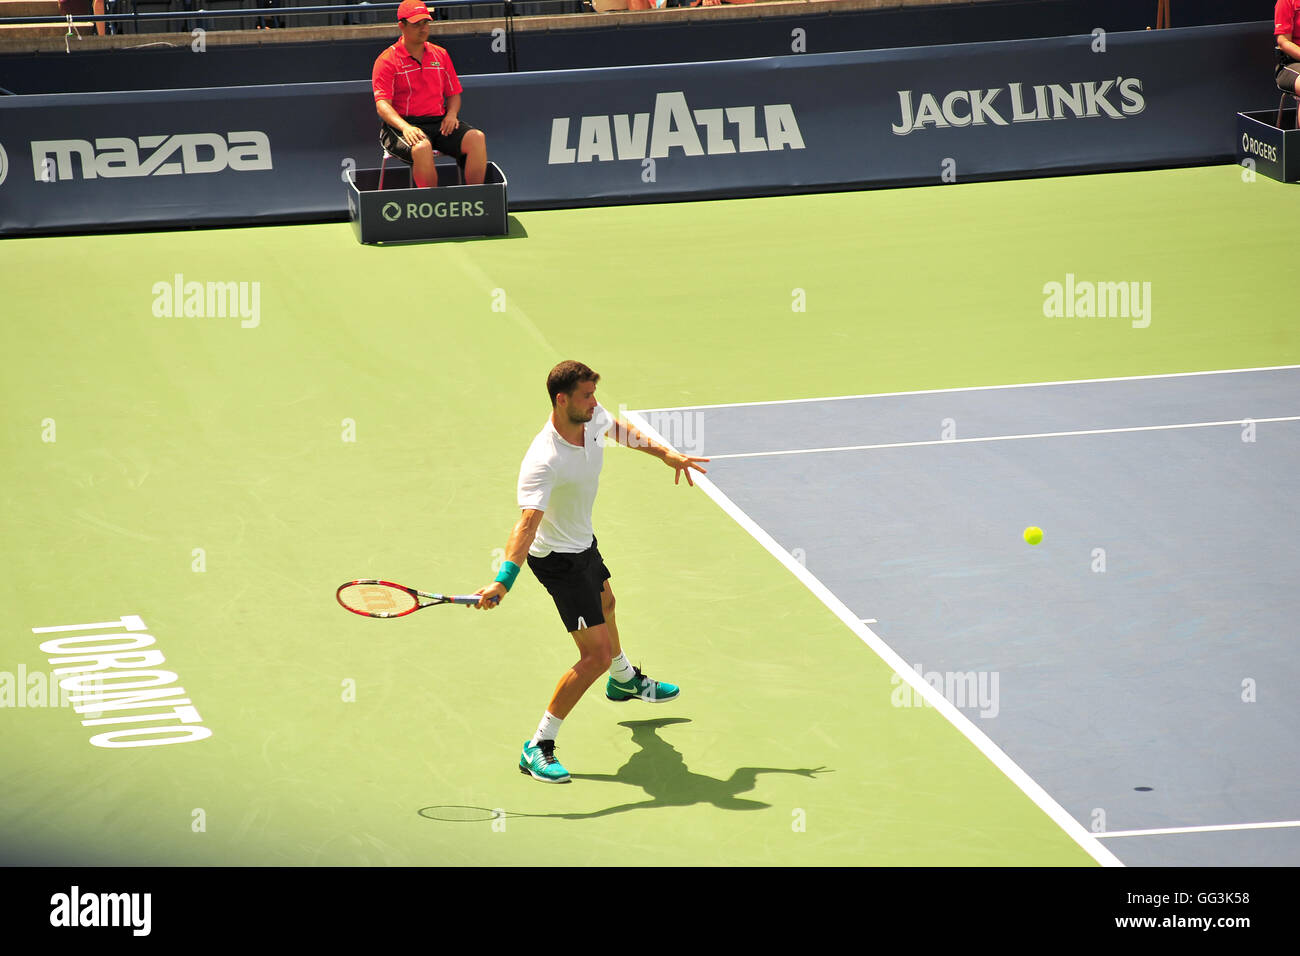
x,y
1140,664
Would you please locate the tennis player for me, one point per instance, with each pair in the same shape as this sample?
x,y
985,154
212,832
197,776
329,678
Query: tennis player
x,y
557,488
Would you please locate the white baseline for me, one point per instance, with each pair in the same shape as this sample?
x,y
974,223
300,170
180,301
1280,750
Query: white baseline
x,y
980,388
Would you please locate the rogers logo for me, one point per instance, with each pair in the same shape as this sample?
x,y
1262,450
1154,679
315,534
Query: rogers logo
x,y
392,211
1248,144
4,163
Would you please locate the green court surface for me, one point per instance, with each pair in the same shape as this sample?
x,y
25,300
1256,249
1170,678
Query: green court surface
x,y
220,481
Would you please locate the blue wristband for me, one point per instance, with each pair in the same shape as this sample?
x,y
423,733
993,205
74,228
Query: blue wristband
x,y
509,571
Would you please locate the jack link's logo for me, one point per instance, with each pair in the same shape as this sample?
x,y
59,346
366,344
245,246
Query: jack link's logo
x,y
1051,101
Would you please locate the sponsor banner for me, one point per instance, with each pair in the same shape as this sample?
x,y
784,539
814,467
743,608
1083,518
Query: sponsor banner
x,y
184,157
400,213
641,134
920,115
1264,147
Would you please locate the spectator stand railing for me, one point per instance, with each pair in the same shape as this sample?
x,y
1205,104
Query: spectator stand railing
x,y
272,13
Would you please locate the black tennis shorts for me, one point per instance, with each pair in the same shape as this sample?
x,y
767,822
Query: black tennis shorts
x,y
574,582
1287,76
391,139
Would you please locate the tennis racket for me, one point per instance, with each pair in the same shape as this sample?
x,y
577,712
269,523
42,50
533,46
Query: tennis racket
x,y
372,598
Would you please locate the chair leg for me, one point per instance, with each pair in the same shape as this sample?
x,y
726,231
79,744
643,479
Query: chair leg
x,y
383,161
1281,109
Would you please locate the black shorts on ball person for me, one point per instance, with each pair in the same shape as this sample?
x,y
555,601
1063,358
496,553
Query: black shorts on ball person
x,y
392,140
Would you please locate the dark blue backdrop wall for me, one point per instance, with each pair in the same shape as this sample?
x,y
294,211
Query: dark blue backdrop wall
x,y
652,133
622,41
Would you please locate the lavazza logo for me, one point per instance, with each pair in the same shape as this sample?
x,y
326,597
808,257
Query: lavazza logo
x,y
725,129
113,157
1050,101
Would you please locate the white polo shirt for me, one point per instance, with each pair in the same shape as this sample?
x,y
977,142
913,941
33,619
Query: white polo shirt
x,y
561,479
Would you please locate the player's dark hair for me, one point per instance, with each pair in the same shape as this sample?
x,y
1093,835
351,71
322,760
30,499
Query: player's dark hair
x,y
564,378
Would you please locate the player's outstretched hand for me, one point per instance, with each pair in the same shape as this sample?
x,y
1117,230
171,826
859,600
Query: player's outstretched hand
x,y
490,596
683,464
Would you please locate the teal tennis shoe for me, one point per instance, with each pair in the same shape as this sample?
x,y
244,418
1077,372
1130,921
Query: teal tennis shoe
x,y
641,687
538,759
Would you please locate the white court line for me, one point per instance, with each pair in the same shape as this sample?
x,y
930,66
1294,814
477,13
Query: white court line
x,y
514,312
960,441
1081,835
1216,829
978,388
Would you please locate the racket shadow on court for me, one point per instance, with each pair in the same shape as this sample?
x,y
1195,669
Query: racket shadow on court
x,y
659,770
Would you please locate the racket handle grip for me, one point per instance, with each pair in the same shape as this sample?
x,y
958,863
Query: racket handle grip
x,y
468,600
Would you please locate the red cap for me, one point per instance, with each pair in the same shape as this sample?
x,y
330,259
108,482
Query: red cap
x,y
413,10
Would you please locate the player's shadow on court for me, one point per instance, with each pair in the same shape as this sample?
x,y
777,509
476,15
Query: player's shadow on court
x,y
659,770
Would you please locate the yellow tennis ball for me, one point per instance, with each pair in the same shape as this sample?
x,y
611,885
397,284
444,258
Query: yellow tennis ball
x,y
1033,535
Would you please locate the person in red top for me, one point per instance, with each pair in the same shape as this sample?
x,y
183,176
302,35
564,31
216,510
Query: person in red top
x,y
1286,26
417,95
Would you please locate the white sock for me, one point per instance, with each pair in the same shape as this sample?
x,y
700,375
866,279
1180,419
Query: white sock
x,y
548,728
620,669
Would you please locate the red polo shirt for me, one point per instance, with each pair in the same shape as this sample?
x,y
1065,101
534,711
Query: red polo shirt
x,y
1286,19
415,87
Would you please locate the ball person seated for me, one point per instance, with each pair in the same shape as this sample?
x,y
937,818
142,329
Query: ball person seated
x,y
1286,32
417,95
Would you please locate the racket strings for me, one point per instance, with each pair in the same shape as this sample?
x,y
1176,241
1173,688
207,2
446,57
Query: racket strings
x,y
377,599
